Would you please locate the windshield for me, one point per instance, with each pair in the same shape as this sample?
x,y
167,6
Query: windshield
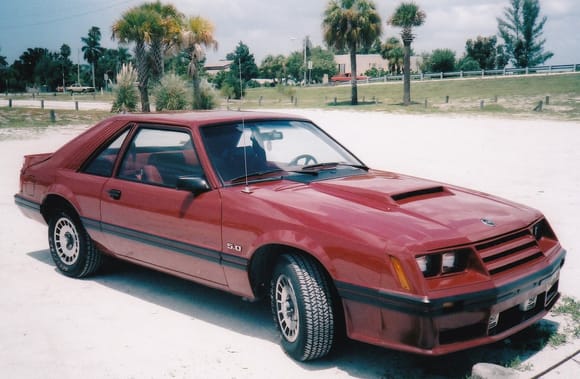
x,y
265,147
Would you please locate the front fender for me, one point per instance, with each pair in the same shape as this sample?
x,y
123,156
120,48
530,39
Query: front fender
x,y
297,240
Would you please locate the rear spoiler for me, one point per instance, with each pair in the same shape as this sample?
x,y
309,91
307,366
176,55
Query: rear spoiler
x,y
31,160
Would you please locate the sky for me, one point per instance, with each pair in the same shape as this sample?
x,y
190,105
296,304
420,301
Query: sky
x,y
274,26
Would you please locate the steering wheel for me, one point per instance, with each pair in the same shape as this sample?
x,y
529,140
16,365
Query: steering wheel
x,y
308,159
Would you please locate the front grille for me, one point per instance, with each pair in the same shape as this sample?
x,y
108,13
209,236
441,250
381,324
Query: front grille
x,y
509,251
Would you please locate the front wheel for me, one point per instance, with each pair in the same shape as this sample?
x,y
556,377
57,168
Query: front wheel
x,y
71,248
302,308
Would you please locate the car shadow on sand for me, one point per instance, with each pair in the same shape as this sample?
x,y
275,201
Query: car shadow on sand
x,y
254,319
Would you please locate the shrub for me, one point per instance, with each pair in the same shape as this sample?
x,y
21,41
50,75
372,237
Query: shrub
x,y
468,64
207,97
126,94
171,94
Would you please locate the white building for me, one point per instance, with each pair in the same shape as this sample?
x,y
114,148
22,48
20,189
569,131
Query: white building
x,y
365,62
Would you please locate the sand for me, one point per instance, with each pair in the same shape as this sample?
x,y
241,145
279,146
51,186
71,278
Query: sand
x,y
130,322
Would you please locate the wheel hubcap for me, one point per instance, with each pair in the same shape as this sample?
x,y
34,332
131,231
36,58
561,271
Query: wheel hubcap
x,y
66,241
286,309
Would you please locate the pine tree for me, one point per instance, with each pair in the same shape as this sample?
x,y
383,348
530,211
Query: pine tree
x,y
521,29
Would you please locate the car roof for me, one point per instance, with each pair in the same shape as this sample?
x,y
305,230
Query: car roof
x,y
200,118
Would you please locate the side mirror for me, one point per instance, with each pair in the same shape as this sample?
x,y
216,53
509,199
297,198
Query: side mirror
x,y
194,184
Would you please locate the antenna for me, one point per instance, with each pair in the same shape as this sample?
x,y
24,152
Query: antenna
x,y
247,188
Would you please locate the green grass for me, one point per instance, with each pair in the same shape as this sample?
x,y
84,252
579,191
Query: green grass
x,y
516,96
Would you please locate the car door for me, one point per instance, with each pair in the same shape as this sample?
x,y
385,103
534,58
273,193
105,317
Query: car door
x,y
146,219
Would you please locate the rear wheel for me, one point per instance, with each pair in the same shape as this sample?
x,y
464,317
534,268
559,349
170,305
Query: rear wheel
x,y
302,307
71,248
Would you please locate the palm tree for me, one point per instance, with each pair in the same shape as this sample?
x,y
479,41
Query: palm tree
x,y
135,25
92,49
393,51
407,16
164,34
197,35
351,25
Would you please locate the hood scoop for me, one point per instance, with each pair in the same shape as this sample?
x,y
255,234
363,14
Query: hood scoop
x,y
420,194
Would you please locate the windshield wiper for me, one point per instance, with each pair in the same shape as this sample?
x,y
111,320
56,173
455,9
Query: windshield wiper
x,y
329,165
254,175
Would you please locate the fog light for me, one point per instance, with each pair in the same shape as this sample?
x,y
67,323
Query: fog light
x,y
528,304
493,320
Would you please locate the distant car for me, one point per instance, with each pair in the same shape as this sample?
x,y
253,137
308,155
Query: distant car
x,y
346,77
78,88
269,205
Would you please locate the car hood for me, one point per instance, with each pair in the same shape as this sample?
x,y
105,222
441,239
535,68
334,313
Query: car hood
x,y
412,210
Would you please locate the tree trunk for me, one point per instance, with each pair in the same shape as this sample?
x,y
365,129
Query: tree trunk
x,y
407,72
93,67
157,54
142,75
196,85
353,87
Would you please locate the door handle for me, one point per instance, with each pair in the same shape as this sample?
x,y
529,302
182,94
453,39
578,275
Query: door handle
x,y
114,194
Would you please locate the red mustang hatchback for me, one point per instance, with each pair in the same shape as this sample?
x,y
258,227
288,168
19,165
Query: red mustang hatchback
x,y
268,205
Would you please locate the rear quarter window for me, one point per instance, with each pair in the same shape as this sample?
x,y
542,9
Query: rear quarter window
x,y
103,163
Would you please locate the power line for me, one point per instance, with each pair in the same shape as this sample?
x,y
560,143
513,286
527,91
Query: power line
x,y
64,18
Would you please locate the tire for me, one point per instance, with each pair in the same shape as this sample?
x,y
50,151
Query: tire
x,y
71,247
302,307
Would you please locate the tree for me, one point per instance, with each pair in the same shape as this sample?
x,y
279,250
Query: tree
x,y
47,71
3,74
295,66
92,49
394,52
3,62
442,60
165,33
322,63
483,50
111,62
407,16
273,67
135,26
243,68
25,67
66,64
522,29
197,35
352,25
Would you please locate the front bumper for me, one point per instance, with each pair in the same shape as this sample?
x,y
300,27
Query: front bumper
x,y
437,326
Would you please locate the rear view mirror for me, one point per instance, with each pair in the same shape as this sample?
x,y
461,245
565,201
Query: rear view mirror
x,y
272,136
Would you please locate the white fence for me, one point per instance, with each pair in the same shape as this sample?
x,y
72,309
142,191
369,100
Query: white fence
x,y
480,73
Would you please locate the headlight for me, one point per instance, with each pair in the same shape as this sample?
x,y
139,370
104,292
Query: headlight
x,y
429,264
542,229
443,263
